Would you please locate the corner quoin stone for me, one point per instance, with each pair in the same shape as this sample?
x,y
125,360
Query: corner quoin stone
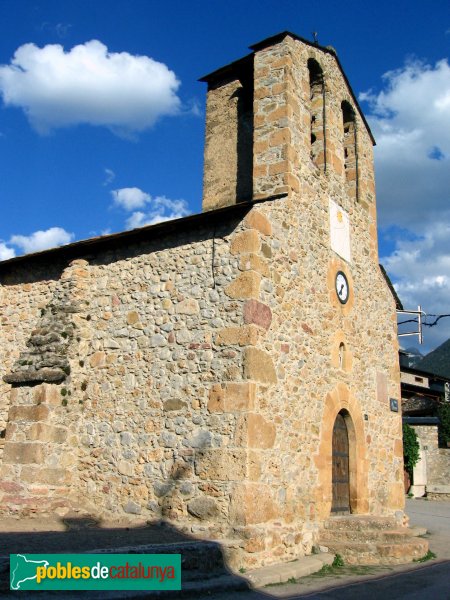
x,y
256,432
244,510
256,220
221,464
241,336
258,313
258,365
232,397
245,242
35,412
23,453
246,285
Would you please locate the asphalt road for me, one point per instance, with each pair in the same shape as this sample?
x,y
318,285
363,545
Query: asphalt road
x,y
429,582
435,516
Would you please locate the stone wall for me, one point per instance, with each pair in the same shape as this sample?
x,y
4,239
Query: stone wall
x,y
23,294
228,152
437,461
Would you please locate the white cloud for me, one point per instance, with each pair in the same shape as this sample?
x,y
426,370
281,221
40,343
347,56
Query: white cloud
x,y
421,271
88,84
154,210
41,240
411,123
130,198
159,209
109,176
410,120
137,219
5,252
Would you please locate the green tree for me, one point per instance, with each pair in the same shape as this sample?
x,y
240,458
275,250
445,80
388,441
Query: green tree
x,y
444,425
411,449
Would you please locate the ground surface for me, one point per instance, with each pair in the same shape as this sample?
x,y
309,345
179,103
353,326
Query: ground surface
x,y
415,582
78,534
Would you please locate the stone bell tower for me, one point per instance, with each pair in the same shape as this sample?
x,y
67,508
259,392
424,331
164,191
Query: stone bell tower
x,y
284,130
277,113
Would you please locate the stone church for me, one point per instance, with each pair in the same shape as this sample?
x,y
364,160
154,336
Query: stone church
x,y
234,373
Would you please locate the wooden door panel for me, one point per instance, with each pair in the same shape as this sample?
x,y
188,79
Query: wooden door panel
x,y
340,470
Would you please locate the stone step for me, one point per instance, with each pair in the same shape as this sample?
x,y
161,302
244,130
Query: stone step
x,y
396,553
366,553
355,553
360,523
203,572
200,560
403,534
368,540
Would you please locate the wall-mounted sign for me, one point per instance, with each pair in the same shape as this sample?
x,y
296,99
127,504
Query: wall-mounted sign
x,y
394,404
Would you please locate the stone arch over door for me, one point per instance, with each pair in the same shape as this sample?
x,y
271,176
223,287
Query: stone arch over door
x,y
340,400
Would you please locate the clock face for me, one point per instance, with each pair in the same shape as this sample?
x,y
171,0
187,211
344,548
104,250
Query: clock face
x,y
342,289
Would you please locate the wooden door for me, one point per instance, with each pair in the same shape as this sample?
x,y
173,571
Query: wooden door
x,y
340,473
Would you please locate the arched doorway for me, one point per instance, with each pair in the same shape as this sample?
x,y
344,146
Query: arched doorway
x,y
340,466
341,401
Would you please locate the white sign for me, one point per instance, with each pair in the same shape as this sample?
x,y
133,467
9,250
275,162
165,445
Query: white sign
x,y
340,231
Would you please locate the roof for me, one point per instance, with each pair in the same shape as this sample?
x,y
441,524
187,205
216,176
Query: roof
x,y
214,76
230,68
106,242
398,302
421,420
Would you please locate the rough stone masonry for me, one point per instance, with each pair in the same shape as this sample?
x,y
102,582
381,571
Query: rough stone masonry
x,y
192,371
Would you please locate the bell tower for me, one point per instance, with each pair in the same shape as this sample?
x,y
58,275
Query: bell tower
x,y
285,133
281,117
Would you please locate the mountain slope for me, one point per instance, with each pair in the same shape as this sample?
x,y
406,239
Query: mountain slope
x,y
437,361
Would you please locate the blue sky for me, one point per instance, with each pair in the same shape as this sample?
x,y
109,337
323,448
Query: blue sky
x,y
85,155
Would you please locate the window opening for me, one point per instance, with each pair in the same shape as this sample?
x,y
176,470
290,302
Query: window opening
x,y
350,149
317,112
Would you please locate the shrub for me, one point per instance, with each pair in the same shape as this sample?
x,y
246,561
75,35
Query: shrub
x,y
411,449
444,425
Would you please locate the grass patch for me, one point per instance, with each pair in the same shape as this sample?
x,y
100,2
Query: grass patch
x,y
338,561
337,569
332,569
428,556
342,571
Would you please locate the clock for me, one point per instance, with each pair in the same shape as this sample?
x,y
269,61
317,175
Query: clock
x,y
342,287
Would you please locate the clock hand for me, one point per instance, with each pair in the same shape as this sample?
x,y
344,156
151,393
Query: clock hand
x,y
340,291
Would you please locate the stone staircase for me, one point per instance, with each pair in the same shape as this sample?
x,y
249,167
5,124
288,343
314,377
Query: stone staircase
x,y
368,540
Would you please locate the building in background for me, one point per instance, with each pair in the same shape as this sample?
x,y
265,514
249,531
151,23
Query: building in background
x,y
422,394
